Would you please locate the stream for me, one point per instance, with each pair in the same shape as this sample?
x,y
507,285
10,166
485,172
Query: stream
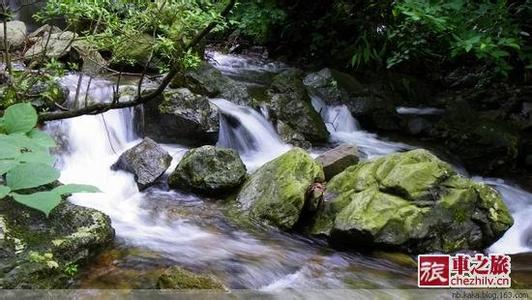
x,y
158,228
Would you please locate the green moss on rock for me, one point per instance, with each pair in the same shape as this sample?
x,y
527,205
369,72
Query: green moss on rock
x,y
181,279
275,193
410,201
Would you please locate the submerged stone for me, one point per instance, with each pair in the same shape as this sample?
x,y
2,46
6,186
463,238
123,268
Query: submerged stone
x,y
413,202
147,161
276,192
181,279
209,170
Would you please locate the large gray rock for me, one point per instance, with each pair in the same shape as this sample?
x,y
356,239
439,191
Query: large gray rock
x,y
369,104
16,35
180,116
276,193
291,104
338,159
35,251
147,161
412,202
209,170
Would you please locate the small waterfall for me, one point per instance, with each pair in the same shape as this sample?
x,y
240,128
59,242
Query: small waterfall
x,y
248,132
344,128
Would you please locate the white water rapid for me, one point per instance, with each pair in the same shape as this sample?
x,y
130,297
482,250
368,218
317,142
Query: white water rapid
x,y
190,231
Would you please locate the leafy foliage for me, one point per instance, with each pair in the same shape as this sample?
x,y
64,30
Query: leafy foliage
x,y
26,163
133,31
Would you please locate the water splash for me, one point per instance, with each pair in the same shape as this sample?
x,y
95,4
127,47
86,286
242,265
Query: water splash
x,y
248,132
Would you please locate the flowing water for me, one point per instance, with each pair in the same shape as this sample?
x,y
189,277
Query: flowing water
x,y
158,228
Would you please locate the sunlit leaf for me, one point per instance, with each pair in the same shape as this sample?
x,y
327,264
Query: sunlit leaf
x,y
75,188
37,157
20,118
42,201
31,175
6,165
42,138
4,190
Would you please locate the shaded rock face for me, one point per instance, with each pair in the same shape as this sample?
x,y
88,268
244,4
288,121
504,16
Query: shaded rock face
x,y
210,82
16,34
290,103
180,116
209,170
36,250
181,279
412,202
368,104
338,159
147,161
290,136
275,193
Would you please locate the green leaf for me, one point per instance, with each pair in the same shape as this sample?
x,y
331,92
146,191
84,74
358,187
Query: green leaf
x,y
31,175
20,118
42,138
75,188
42,201
37,157
8,150
4,190
6,165
24,142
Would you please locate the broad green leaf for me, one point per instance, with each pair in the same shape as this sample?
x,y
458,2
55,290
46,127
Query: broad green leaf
x,y
75,188
4,190
20,118
6,165
31,175
42,138
42,201
8,150
37,157
24,142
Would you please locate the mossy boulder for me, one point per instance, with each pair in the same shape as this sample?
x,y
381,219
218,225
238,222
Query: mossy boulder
x,y
181,279
290,103
146,160
413,202
209,170
36,251
180,116
275,194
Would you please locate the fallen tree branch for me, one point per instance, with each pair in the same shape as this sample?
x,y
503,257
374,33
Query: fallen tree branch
x,y
99,108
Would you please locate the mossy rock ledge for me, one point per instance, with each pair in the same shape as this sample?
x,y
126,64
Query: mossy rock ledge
x,y
411,202
275,194
36,252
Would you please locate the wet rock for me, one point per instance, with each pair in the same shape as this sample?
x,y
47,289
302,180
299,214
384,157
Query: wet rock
x,y
209,170
147,161
180,116
181,279
367,103
412,202
275,193
291,104
338,159
210,82
290,136
418,125
36,250
16,35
